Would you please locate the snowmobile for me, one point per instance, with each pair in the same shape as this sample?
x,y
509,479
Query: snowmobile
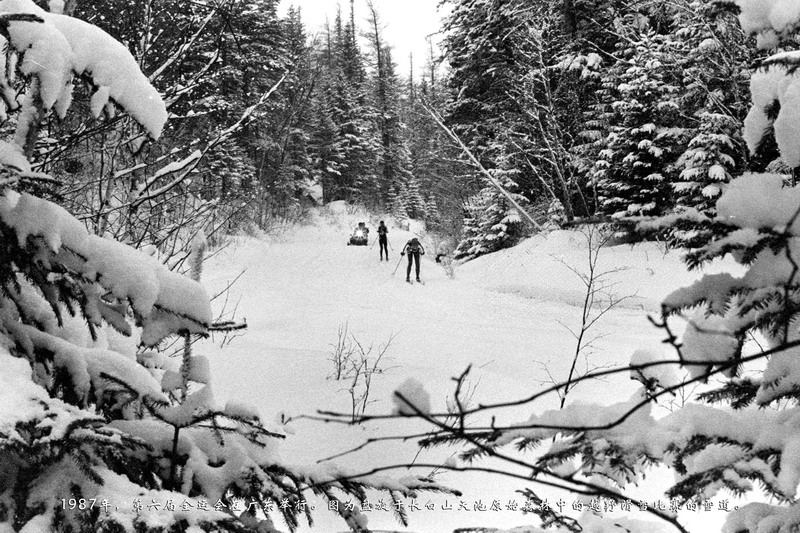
x,y
359,236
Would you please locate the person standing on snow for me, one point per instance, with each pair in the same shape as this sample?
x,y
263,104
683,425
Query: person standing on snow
x,y
414,249
383,240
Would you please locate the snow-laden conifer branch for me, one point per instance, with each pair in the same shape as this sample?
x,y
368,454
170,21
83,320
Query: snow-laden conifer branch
x,y
486,444
486,440
58,46
171,96
557,482
228,325
160,299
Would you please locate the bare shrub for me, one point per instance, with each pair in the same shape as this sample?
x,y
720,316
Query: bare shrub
x,y
356,364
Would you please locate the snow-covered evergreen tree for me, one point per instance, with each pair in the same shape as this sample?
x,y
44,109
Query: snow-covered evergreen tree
x,y
325,144
351,143
431,154
415,204
394,161
432,215
470,230
709,51
632,174
706,165
283,133
666,71
491,222
555,213
397,202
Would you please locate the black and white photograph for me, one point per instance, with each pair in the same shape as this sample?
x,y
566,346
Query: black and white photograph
x,y
399,266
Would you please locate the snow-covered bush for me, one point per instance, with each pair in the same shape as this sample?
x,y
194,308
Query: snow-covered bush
x,y
356,363
98,430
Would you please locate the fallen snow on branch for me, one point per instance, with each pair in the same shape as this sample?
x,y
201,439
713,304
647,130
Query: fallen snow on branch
x,y
414,398
61,45
768,18
164,302
769,85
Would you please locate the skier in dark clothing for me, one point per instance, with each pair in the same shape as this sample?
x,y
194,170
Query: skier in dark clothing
x,y
414,249
383,240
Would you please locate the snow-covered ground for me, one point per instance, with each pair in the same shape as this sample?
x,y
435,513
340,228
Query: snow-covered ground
x,y
506,314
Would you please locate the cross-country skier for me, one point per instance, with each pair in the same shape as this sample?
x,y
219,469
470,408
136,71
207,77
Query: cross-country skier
x,y
383,240
414,249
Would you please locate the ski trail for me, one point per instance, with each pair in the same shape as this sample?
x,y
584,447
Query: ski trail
x,y
297,291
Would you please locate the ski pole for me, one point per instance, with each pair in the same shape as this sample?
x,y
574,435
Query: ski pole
x,y
373,244
398,265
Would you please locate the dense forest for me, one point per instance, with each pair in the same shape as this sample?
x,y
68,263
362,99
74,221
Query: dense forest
x,y
616,110
138,132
